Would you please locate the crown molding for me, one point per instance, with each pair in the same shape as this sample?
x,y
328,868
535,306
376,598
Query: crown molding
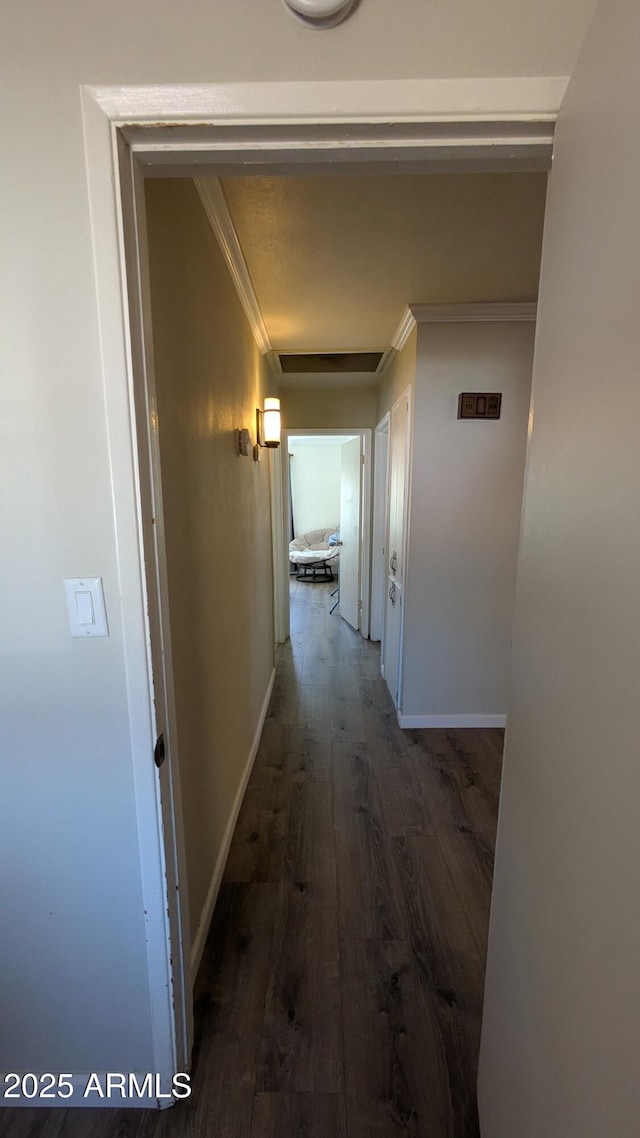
x,y
404,330
484,313
386,356
275,367
458,314
215,206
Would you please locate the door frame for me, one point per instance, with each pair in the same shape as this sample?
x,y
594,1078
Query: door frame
x,y
380,528
132,132
278,549
365,522
165,902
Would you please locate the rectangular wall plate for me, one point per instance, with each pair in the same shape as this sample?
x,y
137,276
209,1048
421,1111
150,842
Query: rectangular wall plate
x,y
86,607
479,404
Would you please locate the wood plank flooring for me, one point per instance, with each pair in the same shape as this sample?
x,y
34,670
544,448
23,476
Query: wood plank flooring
x,y
340,991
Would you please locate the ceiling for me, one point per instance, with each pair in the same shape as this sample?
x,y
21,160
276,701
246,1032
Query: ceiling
x,y
320,440
335,259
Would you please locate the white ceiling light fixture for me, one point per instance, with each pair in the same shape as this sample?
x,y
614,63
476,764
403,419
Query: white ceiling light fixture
x,y
321,13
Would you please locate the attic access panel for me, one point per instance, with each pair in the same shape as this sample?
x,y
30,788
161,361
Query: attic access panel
x,y
338,362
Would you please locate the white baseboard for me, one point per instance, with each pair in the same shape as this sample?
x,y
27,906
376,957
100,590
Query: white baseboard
x,y
197,947
157,1091
451,720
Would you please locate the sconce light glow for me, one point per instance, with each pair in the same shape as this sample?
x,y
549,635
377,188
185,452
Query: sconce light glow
x,y
272,422
268,423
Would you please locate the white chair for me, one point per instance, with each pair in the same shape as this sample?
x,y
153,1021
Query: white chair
x,y
313,555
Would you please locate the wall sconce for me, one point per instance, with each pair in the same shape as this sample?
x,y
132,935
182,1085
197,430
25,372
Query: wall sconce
x,y
268,423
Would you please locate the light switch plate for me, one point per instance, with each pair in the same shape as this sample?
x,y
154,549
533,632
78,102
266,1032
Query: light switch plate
x,y
85,606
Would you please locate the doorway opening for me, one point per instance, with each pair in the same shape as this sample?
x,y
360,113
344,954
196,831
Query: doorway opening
x,y
327,476
141,148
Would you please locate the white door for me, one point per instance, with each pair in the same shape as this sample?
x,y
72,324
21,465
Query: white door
x,y
166,902
380,528
398,476
396,547
350,530
393,640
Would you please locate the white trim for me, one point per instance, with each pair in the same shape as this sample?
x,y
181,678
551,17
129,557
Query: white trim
x,y
275,363
384,360
93,1101
407,721
106,221
488,312
403,331
276,372
365,434
215,205
370,100
200,937
392,146
484,313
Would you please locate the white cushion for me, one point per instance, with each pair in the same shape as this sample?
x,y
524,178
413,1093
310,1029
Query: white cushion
x,y
313,547
300,556
316,539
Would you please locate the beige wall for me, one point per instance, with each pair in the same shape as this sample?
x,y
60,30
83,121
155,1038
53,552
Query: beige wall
x,y
466,499
210,378
561,1037
323,408
399,374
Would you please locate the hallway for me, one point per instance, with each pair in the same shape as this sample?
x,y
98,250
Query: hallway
x,y
342,980
340,991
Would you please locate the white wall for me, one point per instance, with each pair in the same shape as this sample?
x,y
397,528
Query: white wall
x,y
72,953
315,485
561,1037
466,498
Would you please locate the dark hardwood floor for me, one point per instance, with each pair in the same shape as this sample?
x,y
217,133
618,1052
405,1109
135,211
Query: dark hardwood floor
x,y
340,992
